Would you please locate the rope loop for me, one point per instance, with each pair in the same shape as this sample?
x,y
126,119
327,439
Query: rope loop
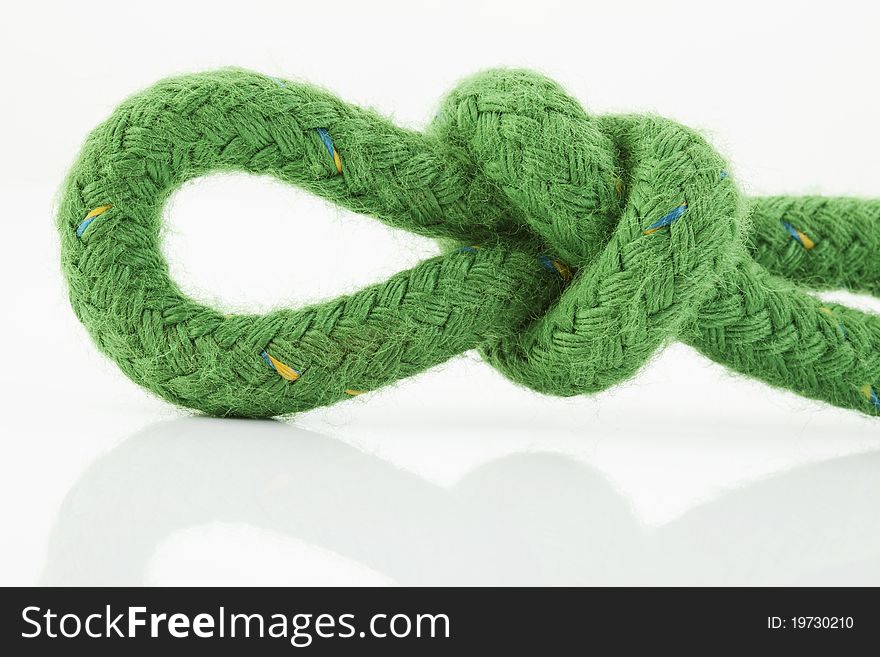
x,y
575,246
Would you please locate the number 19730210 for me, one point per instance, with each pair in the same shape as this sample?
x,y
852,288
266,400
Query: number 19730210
x,y
810,623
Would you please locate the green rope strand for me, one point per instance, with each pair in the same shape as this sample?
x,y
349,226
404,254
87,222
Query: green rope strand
x,y
574,248
844,230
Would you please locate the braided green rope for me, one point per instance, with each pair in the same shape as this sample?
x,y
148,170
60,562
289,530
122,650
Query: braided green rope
x,y
580,245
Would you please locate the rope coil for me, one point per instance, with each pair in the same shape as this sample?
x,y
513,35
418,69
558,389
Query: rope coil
x,y
580,246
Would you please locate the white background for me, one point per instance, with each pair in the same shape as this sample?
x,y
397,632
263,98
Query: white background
x,y
686,474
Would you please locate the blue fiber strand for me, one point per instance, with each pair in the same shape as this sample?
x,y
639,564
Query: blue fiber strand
x,y
82,227
669,217
548,263
791,231
325,137
267,359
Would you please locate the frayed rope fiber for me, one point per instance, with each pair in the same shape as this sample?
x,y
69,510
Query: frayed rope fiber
x,y
575,246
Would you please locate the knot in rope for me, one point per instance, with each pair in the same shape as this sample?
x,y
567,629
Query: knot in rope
x,y
574,247
601,196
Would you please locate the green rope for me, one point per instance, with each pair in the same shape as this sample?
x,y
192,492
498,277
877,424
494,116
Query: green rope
x,y
574,247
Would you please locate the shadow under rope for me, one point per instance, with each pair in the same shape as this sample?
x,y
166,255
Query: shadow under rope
x,y
529,518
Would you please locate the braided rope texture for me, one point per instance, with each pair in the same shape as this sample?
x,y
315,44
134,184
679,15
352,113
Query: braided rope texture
x,y
575,247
